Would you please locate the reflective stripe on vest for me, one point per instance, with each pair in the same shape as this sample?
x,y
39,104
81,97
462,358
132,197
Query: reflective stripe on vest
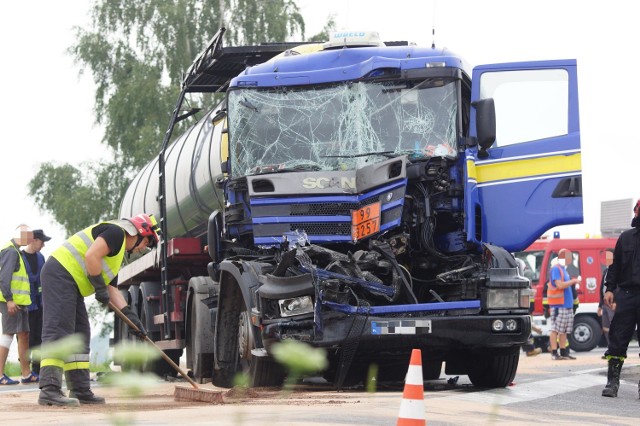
x,y
71,256
20,286
555,295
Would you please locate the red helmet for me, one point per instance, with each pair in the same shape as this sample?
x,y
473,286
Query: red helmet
x,y
146,226
635,208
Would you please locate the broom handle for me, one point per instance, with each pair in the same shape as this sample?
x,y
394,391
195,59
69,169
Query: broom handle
x,y
166,357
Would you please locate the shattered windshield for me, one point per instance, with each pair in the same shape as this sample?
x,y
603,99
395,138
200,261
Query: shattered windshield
x,y
340,127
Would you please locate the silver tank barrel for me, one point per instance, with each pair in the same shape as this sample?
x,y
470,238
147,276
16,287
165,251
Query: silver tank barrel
x,y
192,164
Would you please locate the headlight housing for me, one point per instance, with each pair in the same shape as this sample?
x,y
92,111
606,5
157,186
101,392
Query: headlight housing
x,y
508,298
295,306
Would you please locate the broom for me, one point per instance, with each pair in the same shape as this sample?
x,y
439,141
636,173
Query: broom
x,y
181,393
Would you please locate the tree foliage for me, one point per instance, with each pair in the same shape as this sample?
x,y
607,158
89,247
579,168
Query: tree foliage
x,y
136,52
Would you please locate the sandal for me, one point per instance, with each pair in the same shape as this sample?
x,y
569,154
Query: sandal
x,y
6,380
31,378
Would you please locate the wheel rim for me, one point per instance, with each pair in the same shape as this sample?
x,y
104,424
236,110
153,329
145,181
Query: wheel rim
x,y
245,341
582,333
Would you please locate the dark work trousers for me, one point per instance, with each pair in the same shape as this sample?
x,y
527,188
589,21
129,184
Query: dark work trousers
x,y
35,337
625,321
64,314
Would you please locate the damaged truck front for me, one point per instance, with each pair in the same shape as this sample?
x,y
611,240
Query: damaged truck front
x,y
372,195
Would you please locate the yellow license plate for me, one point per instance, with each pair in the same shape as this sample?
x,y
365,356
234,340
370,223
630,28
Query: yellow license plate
x,y
365,221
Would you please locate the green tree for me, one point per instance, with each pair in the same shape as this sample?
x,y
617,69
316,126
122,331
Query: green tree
x,y
136,52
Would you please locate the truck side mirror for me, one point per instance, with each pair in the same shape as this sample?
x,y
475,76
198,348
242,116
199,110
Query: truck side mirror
x,y
220,115
485,124
214,235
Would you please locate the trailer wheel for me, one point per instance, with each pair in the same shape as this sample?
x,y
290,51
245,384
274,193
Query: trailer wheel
x,y
494,368
586,333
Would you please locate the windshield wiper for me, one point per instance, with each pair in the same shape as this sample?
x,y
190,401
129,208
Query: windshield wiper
x,y
248,105
364,154
280,168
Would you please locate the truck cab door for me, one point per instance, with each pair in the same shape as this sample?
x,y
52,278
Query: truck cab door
x,y
530,179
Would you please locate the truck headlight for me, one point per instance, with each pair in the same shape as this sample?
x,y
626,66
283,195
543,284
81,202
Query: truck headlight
x,y
503,298
295,306
508,298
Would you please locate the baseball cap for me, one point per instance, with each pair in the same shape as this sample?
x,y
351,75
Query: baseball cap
x,y
39,234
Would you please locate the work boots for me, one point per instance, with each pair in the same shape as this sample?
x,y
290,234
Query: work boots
x,y
51,388
613,378
78,384
51,395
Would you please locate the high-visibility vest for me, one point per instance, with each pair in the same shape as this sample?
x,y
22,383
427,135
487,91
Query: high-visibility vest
x,y
555,295
20,286
71,256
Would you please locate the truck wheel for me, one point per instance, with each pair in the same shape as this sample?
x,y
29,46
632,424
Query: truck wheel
x,y
199,359
263,371
586,333
161,368
234,341
431,369
493,368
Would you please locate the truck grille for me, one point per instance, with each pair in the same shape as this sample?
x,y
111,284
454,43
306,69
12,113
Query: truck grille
x,y
327,221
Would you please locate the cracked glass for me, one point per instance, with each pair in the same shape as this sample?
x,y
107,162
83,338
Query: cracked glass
x,y
340,127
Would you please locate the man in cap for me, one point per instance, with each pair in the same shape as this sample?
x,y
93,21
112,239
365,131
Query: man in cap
x,y
623,289
14,299
34,261
87,263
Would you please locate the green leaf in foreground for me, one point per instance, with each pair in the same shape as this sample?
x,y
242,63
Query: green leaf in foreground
x,y
134,354
133,383
300,358
62,348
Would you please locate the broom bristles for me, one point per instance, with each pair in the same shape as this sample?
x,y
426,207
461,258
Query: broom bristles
x,y
197,395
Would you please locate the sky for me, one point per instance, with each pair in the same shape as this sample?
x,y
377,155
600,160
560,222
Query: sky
x,y
47,107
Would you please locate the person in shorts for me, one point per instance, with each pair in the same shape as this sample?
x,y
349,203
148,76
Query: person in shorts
x,y
560,299
15,297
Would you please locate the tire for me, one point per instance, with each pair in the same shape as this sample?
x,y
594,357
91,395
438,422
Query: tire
x,y
586,333
201,364
234,344
431,369
161,368
494,368
263,371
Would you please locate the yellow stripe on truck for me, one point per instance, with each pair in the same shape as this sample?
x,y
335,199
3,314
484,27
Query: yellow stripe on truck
x,y
530,167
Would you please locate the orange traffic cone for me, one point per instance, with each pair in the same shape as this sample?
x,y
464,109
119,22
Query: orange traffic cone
x,y
412,406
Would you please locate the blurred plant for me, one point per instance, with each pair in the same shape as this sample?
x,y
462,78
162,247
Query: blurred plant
x,y
241,380
12,369
60,349
299,359
372,378
134,355
132,382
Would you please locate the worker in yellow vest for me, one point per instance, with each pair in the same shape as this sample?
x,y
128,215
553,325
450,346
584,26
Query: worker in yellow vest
x,y
15,297
87,263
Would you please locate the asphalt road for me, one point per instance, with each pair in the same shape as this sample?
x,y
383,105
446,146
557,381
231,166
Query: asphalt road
x,y
543,392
